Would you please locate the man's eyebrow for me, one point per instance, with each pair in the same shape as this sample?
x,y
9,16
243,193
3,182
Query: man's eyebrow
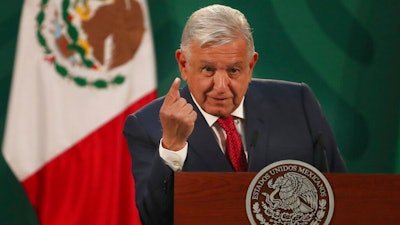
x,y
206,62
238,64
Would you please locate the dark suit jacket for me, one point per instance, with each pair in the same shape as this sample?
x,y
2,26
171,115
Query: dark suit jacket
x,y
283,121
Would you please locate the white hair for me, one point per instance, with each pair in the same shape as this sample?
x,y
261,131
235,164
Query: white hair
x,y
216,25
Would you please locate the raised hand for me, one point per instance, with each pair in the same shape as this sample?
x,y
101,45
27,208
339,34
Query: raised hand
x,y
177,118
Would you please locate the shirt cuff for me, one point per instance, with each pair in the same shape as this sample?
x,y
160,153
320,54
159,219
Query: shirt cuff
x,y
174,159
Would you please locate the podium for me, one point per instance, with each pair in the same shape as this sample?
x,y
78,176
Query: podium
x,y
219,198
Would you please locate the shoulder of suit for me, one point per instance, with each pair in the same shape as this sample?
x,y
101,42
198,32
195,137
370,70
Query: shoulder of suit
x,y
151,108
155,105
271,85
268,88
272,82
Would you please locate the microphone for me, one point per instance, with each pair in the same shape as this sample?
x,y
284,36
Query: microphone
x,y
320,157
252,145
254,139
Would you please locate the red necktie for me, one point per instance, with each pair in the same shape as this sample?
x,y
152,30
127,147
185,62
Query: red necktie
x,y
234,150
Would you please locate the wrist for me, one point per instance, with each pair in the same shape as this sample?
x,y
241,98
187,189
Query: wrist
x,y
172,145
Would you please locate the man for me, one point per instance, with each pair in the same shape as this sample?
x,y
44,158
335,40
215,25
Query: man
x,y
182,131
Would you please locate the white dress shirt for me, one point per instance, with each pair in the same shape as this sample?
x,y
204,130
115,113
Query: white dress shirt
x,y
175,159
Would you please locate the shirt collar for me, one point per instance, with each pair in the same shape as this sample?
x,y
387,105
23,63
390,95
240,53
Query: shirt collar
x,y
211,119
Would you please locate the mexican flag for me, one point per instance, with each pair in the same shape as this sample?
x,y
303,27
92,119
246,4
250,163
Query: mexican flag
x,y
81,67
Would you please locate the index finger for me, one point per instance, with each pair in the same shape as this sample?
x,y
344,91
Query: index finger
x,y
173,93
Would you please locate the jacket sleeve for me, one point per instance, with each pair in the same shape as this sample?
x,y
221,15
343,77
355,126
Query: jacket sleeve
x,y
153,178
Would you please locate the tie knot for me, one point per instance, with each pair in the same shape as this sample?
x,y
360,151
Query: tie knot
x,y
227,123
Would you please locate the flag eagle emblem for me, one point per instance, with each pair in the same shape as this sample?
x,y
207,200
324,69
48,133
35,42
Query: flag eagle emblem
x,y
89,42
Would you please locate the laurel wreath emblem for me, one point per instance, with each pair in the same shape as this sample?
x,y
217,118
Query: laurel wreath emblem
x,y
73,35
289,192
276,216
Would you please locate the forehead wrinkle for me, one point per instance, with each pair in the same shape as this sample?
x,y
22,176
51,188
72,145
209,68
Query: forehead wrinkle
x,y
234,64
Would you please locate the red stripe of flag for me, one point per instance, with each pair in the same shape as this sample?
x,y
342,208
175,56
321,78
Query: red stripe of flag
x,y
90,183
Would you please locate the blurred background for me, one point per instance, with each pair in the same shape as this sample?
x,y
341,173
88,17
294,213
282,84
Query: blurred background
x,y
348,51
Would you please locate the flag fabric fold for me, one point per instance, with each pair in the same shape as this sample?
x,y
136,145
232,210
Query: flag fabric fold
x,y
81,67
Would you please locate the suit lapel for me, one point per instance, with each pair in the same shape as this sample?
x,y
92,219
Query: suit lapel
x,y
204,147
256,129
202,143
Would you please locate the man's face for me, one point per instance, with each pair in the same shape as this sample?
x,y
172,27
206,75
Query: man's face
x,y
217,77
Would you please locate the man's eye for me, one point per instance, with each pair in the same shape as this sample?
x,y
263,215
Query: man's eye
x,y
208,70
234,70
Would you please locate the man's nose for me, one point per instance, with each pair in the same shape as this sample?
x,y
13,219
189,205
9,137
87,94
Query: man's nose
x,y
221,80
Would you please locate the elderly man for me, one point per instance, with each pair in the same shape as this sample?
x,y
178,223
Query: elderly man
x,y
223,120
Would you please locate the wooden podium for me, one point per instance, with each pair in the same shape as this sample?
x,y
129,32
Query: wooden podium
x,y
219,198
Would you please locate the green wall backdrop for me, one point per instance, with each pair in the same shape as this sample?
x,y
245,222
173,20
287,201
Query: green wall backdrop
x,y
348,51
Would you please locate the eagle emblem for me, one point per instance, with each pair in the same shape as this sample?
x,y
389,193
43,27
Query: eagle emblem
x,y
289,192
295,192
89,42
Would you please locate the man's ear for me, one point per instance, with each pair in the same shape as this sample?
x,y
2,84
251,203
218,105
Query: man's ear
x,y
182,63
253,61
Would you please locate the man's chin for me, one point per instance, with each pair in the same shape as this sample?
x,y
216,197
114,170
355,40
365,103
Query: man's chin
x,y
218,111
